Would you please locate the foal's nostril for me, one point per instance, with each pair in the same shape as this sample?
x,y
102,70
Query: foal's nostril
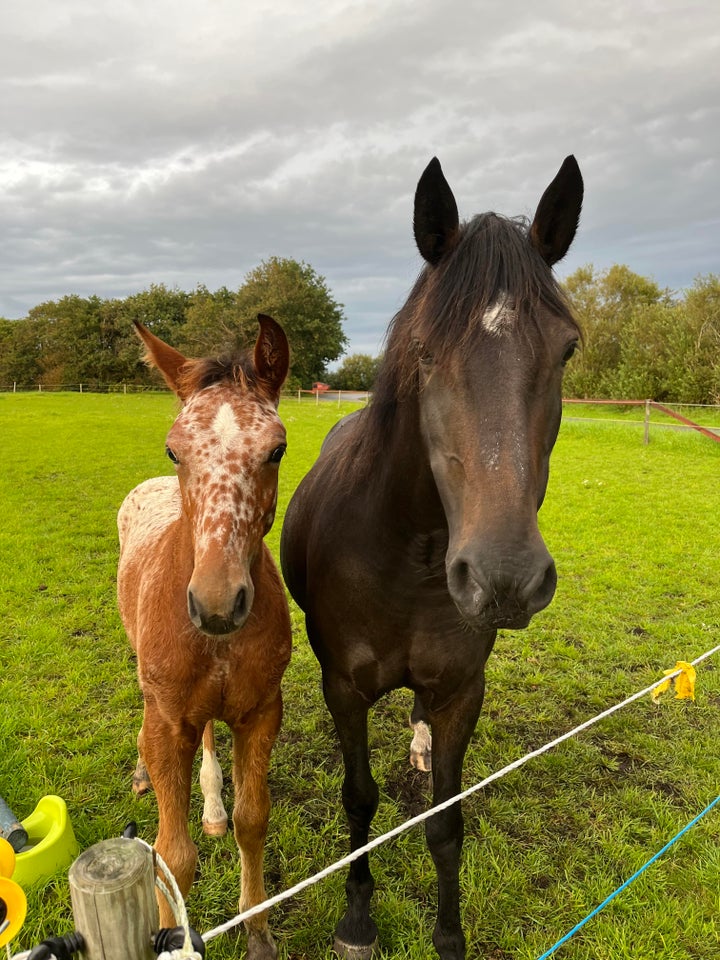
x,y
193,609
240,610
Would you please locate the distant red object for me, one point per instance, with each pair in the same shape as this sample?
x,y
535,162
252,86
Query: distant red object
x,y
320,387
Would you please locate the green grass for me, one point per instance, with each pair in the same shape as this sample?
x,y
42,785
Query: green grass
x,y
634,533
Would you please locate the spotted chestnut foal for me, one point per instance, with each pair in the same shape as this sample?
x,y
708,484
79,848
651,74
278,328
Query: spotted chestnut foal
x,y
204,607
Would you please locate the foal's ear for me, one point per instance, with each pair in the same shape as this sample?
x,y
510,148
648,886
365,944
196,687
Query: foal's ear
x,y
167,359
435,222
272,354
558,213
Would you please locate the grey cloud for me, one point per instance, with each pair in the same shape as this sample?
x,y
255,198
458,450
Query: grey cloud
x,y
170,143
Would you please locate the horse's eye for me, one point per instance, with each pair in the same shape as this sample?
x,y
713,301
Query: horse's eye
x,y
569,352
170,454
277,454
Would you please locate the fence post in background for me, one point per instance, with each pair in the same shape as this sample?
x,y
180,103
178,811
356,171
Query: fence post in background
x,y
80,388
299,392
112,888
39,388
646,440
14,386
125,388
317,397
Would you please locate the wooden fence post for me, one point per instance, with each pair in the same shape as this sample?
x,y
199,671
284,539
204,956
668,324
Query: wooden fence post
x,y
646,440
112,888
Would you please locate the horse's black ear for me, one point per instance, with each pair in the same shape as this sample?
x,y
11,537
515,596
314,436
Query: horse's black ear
x,y
272,354
435,221
558,213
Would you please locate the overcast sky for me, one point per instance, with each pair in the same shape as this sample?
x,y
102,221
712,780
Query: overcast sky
x,y
178,142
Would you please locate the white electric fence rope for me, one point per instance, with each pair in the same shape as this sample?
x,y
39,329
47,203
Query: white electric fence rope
x,y
414,821
176,903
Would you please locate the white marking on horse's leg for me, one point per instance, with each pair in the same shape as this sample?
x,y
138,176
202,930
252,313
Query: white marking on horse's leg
x,y
215,819
421,746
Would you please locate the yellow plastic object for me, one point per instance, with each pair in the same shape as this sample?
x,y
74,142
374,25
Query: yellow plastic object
x,y
7,858
51,843
13,904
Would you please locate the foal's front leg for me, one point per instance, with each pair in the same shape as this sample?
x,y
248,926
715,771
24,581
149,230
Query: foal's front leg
x,y
252,745
168,750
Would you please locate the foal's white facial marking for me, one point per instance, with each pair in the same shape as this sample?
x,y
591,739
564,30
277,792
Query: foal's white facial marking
x,y
227,440
499,317
226,427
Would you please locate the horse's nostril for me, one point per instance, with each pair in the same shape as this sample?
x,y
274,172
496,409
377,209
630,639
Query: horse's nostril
x,y
541,593
467,586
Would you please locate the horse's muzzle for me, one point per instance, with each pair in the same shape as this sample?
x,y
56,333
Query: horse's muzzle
x,y
507,597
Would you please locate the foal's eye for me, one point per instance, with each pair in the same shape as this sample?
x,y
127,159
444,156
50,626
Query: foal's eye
x,y
170,454
277,454
569,352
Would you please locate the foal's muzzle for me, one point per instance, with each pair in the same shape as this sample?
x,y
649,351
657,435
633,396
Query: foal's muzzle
x,y
219,622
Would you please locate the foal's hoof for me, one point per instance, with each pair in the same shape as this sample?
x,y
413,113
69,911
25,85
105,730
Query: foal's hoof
x,y
216,829
141,786
261,945
351,951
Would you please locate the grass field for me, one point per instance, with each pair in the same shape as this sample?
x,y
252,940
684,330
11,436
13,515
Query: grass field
x,y
635,535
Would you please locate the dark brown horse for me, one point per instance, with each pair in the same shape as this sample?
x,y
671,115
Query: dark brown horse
x,y
414,537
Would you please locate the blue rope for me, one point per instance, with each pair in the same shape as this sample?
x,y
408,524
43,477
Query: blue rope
x,y
627,883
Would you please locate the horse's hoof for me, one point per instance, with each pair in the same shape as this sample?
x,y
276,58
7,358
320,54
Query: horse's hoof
x,y
421,760
351,951
421,747
216,829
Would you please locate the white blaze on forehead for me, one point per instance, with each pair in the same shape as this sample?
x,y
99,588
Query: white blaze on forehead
x,y
499,317
226,427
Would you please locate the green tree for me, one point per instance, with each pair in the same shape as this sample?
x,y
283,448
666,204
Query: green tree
x,y
67,339
20,360
356,372
212,321
298,298
605,304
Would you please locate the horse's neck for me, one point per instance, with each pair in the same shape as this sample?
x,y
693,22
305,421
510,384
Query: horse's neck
x,y
403,480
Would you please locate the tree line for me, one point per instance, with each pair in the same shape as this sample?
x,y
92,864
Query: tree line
x,y
642,341
92,341
639,340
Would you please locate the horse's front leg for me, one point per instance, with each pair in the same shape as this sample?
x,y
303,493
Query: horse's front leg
x,y
168,750
356,933
452,729
251,758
